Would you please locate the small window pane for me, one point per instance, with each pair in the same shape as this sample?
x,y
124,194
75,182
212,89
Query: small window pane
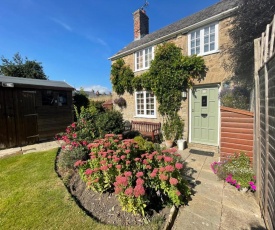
x,y
204,101
206,48
212,46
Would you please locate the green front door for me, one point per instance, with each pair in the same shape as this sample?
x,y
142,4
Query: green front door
x,y
204,115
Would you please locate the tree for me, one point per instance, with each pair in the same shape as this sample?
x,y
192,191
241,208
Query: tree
x,y
250,21
18,67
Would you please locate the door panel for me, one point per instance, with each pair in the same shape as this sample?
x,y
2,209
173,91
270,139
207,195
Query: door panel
x,y
204,115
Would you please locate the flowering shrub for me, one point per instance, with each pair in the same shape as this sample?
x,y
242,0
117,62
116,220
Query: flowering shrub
x,y
236,171
133,174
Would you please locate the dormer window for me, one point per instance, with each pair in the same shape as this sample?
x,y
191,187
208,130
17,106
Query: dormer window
x,y
143,58
204,40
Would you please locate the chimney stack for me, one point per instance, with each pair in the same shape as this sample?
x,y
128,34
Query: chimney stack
x,y
141,24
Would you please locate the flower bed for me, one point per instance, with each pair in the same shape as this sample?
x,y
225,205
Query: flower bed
x,y
236,171
135,176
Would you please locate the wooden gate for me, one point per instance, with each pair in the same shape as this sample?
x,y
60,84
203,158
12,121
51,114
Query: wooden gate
x,y
18,117
264,150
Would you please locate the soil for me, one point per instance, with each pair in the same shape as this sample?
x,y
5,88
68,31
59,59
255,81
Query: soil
x,y
105,207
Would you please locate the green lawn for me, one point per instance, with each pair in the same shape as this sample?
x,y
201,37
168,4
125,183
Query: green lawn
x,y
33,197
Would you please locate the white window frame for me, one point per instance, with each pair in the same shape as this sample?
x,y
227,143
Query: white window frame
x,y
144,106
201,37
142,52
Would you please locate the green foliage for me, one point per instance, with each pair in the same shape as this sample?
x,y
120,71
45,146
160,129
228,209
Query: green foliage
x,y
69,156
170,74
136,174
236,171
121,77
18,67
81,99
110,122
173,128
144,145
237,98
248,24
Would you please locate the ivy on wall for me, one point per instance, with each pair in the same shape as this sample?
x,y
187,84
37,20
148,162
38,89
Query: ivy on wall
x,y
170,73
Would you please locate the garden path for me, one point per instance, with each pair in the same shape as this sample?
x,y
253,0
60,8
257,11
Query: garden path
x,y
215,204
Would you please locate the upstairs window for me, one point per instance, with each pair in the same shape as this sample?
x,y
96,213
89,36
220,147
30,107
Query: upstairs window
x,y
143,58
145,104
203,41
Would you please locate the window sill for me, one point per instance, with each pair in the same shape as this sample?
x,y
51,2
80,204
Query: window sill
x,y
139,70
149,117
206,54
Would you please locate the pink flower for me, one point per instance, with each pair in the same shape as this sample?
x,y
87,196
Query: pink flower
x,y
118,166
238,186
104,168
139,174
148,166
122,157
88,171
127,151
162,169
78,163
128,173
139,190
129,191
179,166
145,162
103,162
173,181
137,159
168,159
73,125
139,181
178,193
163,177
110,165
169,168
128,162
159,157
153,174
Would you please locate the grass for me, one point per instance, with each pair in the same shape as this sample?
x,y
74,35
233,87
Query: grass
x,y
33,197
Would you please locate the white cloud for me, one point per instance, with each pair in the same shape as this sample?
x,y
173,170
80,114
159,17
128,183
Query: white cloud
x,y
61,23
99,88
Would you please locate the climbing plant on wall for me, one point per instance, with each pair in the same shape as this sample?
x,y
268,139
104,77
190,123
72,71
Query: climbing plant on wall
x,y
170,73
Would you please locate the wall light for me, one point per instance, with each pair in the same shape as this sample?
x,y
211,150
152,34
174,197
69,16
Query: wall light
x,y
184,94
6,84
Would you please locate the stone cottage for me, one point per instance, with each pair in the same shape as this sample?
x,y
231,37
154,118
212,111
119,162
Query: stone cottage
x,y
205,34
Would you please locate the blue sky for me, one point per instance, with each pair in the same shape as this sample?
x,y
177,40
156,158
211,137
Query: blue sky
x,y
74,39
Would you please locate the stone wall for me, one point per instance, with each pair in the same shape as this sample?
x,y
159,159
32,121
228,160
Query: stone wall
x,y
216,74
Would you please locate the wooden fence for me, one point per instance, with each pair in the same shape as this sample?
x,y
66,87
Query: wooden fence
x,y
264,144
236,132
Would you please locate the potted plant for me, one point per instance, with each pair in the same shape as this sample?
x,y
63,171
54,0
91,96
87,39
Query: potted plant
x,y
172,129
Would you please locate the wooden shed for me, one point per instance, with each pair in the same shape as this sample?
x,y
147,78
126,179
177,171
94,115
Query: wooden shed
x,y
33,110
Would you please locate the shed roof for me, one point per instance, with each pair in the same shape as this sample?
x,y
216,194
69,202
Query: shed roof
x,y
220,10
19,81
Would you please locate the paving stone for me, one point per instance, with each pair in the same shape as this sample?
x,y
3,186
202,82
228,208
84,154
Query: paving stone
x,y
232,218
205,208
207,189
191,221
245,202
209,175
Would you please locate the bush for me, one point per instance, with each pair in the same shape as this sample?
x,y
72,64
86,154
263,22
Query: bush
x,y
144,145
237,98
236,171
110,122
68,156
136,176
81,99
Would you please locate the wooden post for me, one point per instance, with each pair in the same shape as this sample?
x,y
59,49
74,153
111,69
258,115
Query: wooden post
x,y
257,133
271,50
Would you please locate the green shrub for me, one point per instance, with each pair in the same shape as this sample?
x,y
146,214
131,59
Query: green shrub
x,y
237,98
110,122
81,99
68,156
144,145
